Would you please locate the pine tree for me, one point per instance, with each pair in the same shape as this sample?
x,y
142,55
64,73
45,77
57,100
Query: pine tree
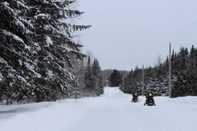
x,y
180,86
88,78
37,48
15,63
193,61
182,56
54,47
115,78
97,77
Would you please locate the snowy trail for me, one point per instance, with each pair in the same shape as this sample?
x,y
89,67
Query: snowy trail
x,y
107,115
112,111
119,114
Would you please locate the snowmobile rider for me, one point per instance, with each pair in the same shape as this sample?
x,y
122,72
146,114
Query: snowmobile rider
x,y
149,96
134,94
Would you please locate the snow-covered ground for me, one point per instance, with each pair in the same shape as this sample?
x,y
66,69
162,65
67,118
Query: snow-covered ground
x,y
112,111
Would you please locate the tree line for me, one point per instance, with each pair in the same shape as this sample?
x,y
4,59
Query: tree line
x,y
184,75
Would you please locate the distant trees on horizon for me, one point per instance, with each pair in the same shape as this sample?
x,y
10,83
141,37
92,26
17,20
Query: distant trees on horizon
x,y
115,78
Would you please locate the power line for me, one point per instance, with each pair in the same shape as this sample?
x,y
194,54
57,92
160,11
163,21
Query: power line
x,y
164,66
179,35
184,30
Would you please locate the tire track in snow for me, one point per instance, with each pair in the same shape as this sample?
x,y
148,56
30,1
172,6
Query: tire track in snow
x,y
135,116
132,121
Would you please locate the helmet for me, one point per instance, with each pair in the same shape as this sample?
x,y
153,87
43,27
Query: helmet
x,y
150,94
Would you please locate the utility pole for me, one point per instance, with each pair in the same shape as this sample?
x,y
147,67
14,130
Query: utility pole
x,y
143,80
169,82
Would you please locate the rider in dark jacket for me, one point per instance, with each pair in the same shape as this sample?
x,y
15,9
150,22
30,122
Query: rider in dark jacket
x,y
149,96
134,94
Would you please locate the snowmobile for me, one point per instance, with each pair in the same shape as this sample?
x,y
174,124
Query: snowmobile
x,y
134,99
149,102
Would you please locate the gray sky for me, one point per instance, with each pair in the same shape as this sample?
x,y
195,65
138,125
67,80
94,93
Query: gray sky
x,y
130,33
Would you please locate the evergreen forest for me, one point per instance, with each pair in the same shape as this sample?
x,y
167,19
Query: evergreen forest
x,y
183,76
41,58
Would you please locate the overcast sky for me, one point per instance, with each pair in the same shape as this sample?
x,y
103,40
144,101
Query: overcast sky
x,y
130,33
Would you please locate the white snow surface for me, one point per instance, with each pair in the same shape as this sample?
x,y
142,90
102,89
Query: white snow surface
x,y
113,111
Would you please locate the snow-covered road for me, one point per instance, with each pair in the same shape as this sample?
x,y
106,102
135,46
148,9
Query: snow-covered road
x,y
112,111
